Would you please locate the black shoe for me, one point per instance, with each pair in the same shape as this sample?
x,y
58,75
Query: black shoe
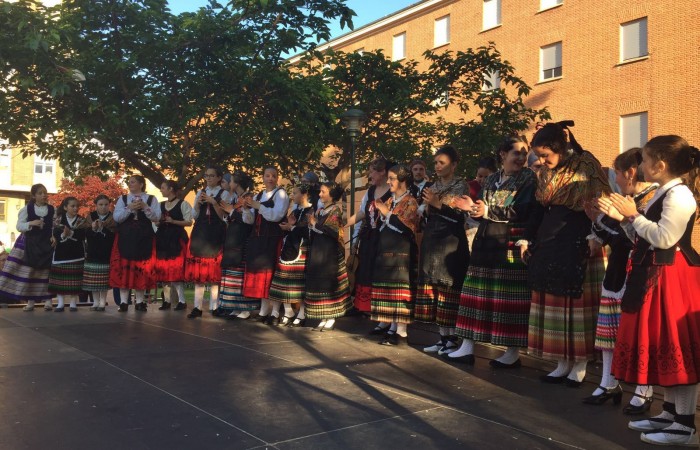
x,y
499,365
261,319
552,380
393,339
218,312
299,324
123,307
612,393
633,410
196,312
466,359
573,383
141,307
181,306
376,331
273,321
165,305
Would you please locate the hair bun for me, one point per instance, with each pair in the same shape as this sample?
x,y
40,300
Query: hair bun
x,y
695,156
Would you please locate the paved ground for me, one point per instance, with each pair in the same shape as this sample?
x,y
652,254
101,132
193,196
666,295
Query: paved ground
x,y
91,380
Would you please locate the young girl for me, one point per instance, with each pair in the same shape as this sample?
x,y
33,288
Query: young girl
x,y
99,236
66,274
288,282
203,265
171,242
660,327
327,289
25,275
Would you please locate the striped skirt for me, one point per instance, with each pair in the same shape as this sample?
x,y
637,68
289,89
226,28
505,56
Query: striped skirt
x,y
437,304
288,283
608,322
19,282
495,306
392,302
230,293
329,305
66,278
95,277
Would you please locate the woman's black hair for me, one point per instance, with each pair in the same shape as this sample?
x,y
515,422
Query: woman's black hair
x,y
141,180
380,164
304,188
102,197
172,184
507,145
34,189
403,173
61,210
680,157
218,170
242,179
488,162
631,158
334,190
553,136
450,152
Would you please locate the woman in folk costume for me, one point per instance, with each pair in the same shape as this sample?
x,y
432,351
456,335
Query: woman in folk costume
x,y
203,262
444,254
66,274
369,235
99,237
608,231
495,300
657,342
25,275
327,288
396,265
171,243
288,283
269,209
134,250
231,300
563,273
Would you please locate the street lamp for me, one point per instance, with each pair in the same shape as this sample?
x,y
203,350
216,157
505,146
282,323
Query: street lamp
x,y
353,119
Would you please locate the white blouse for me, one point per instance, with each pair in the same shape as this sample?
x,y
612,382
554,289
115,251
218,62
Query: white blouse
x,y
274,214
23,217
211,192
121,212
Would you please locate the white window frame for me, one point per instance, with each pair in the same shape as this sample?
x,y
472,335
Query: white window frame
x,y
44,164
441,34
494,78
637,32
398,46
555,71
634,130
491,14
549,4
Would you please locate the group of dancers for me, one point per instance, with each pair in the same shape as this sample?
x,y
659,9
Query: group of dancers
x,y
514,259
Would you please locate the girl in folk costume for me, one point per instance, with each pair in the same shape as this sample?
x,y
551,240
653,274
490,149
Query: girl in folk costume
x,y
369,236
561,265
660,322
231,300
25,275
288,283
396,265
134,250
171,243
203,263
66,274
444,254
608,231
99,237
495,300
327,288
269,209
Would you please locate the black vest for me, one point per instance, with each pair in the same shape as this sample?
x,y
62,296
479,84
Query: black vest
x,y
209,231
170,238
136,235
37,241
99,243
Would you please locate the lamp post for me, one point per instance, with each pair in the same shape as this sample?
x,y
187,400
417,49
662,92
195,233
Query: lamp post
x,y
353,119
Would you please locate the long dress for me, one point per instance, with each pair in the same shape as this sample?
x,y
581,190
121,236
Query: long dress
x,y
264,243
396,265
444,257
233,261
657,342
495,300
25,275
289,282
134,250
171,243
369,238
563,317
203,260
327,288
66,273
98,250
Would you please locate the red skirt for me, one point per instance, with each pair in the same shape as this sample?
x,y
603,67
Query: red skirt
x,y
659,344
256,284
173,269
363,297
128,274
202,270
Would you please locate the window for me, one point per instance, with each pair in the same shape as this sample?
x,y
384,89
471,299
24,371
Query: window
x,y
634,129
492,14
398,48
633,39
3,210
493,81
550,61
546,4
443,101
442,31
43,167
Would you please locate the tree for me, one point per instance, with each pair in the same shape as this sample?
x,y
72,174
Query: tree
x,y
87,189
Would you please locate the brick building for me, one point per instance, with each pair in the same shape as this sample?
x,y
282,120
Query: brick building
x,y
624,70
